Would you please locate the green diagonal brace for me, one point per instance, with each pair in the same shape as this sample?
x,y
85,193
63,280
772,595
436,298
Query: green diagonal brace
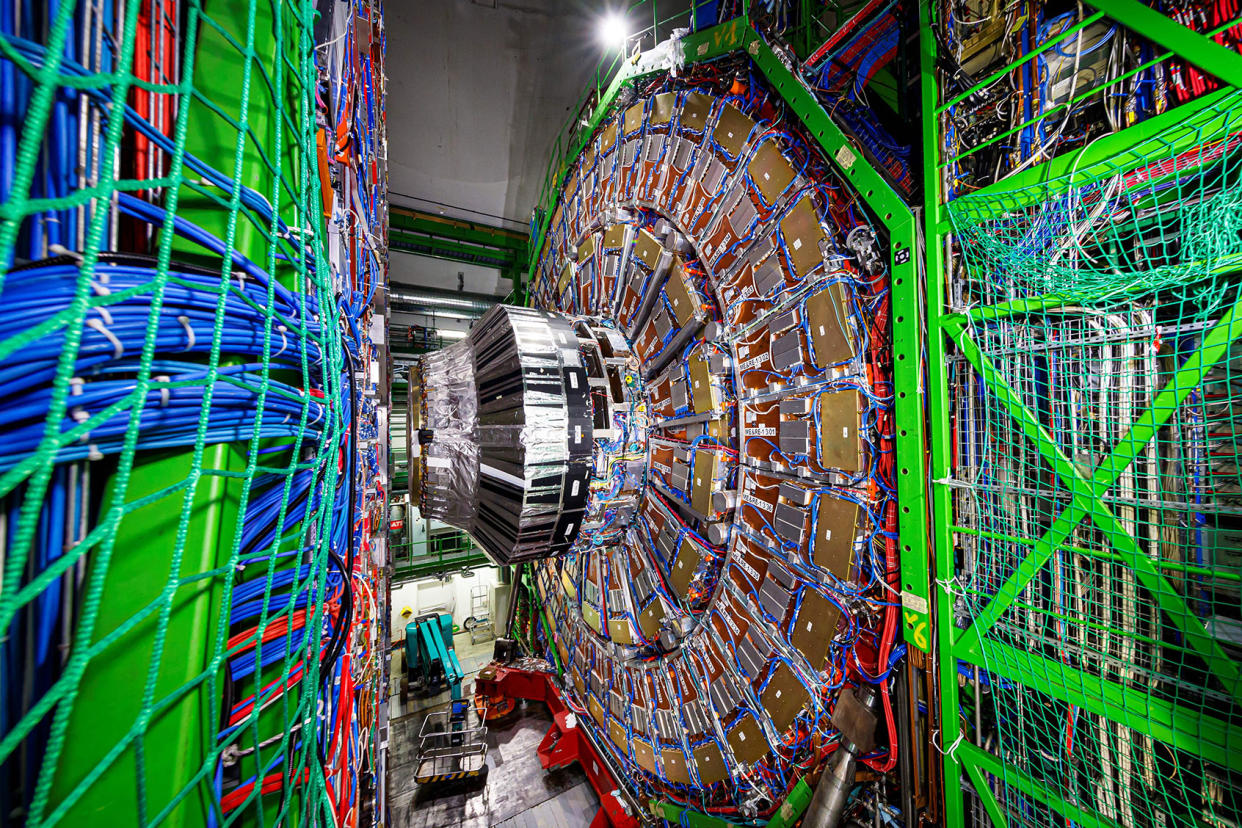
x,y
983,761
1159,28
1173,131
1086,495
1191,730
986,795
889,208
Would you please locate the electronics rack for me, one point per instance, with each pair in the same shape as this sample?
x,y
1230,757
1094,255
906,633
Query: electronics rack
x,y
193,243
706,645
1081,164
353,158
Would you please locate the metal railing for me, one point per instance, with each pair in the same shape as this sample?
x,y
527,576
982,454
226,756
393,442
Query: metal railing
x,y
444,550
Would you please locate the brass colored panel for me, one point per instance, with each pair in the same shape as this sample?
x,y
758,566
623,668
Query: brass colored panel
x,y
662,108
718,428
620,631
802,233
705,466
649,619
694,111
826,319
567,583
684,567
567,273
732,130
710,763
644,756
784,697
675,765
680,296
586,249
617,733
815,627
614,237
647,249
608,139
633,118
563,650
591,616
836,523
580,683
702,392
596,710
839,446
746,740
770,171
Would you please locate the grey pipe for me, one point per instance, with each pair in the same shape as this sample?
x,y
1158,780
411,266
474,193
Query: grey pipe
x,y
834,786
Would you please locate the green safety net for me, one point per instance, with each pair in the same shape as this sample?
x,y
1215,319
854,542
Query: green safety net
x,y
169,524
1097,482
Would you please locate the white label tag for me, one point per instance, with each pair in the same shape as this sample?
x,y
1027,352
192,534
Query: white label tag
x,y
845,157
914,603
743,565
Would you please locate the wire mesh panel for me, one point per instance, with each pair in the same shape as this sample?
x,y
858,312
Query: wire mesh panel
x,y
174,409
1092,439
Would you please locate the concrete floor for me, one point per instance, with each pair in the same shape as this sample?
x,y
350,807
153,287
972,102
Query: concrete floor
x,y
518,792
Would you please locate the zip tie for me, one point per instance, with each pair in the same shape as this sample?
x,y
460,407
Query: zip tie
x,y
189,332
75,386
284,340
952,586
79,415
105,314
61,250
118,348
100,289
165,392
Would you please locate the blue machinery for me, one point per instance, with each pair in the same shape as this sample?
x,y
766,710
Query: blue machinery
x,y
430,658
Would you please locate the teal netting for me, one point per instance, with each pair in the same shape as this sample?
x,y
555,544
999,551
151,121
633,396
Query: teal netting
x,y
173,407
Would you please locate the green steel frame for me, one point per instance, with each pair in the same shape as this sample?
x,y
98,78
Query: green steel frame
x,y
950,334
898,221
926,521
458,240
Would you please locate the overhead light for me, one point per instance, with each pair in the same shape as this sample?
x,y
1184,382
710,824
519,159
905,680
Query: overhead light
x,y
442,313
447,334
613,31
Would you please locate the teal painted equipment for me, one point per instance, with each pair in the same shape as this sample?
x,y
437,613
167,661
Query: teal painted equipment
x,y
431,661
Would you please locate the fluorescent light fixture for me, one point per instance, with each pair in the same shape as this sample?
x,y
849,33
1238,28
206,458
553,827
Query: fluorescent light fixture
x,y
613,31
441,313
448,334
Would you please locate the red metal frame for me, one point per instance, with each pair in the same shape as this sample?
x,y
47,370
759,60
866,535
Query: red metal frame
x,y
564,743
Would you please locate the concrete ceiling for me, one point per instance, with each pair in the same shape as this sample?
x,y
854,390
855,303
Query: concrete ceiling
x,y
477,92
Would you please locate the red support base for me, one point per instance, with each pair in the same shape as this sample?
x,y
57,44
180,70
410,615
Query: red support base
x,y
564,744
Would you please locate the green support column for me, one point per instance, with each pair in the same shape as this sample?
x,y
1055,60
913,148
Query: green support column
x,y
895,216
938,416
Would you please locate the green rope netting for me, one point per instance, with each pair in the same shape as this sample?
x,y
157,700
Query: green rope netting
x,y
188,544
1145,219
1097,478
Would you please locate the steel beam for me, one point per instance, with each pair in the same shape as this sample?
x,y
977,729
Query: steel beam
x,y
894,214
1205,53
